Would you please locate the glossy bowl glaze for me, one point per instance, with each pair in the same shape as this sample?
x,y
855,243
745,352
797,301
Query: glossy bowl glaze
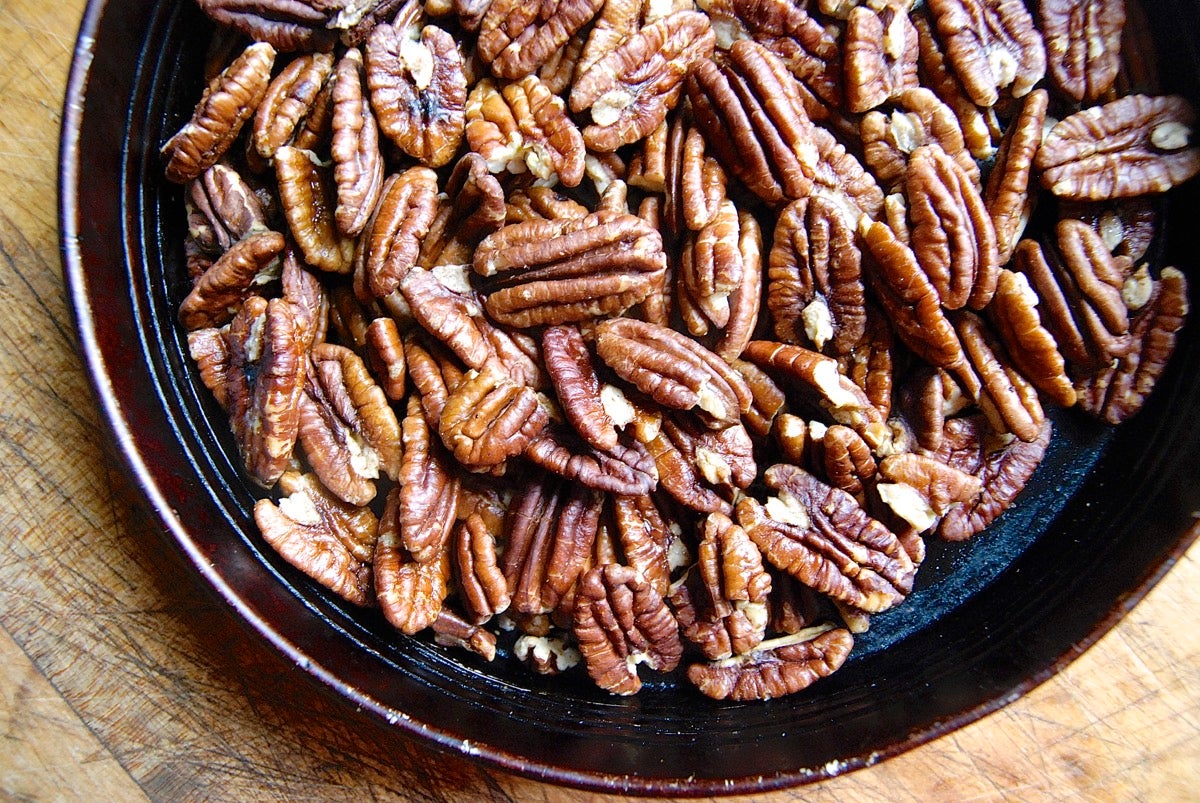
x,y
1103,518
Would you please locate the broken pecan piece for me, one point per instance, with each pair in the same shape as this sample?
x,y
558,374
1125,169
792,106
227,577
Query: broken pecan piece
x,y
920,489
620,621
776,668
1136,145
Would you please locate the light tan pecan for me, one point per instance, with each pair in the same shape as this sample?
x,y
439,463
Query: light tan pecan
x,y
1002,472
347,428
808,48
1032,349
1079,284
821,536
1083,45
673,369
222,209
777,668
1132,146
919,118
617,22
428,492
978,125
418,88
329,540
880,55
264,382
951,231
629,91
620,621
586,404
767,400
524,127
546,655
912,304
227,103
516,37
1118,391
558,71
992,46
289,100
814,280
1007,196
920,489
489,418
650,542
309,197
391,242
287,25
482,587
568,270
625,469
410,593
357,160
721,604
239,273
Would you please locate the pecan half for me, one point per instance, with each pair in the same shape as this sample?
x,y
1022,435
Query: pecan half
x,y
329,540
357,160
239,273
482,586
1032,349
410,593
517,37
626,469
227,103
629,91
585,403
713,274
223,209
428,492
418,89
814,280
821,536
977,124
620,621
290,98
672,369
649,541
777,668
1007,195
489,418
1083,45
550,552
391,243
347,428
309,197
844,455
472,209
881,50
385,357
1132,146
919,118
568,270
286,24
992,45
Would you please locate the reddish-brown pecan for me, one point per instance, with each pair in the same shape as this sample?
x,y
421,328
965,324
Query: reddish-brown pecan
x,y
310,301
1118,391
418,88
569,270
880,48
585,403
429,487
385,357
452,314
347,428
1007,195
679,475
451,630
1132,146
222,209
620,621
992,46
1032,349
977,124
483,589
920,118
951,232
920,489
237,274
1127,226
870,365
844,455
625,469
516,37
672,369
209,350
265,379
694,181
357,160
329,540
629,91
489,418
410,593
227,103
777,668
767,399
1008,399
434,372
289,100
473,208
1002,473
815,291
1083,45
721,604
524,127
287,25
926,399
309,197
821,536
650,544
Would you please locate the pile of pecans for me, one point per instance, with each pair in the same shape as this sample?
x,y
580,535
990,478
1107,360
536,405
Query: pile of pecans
x,y
664,335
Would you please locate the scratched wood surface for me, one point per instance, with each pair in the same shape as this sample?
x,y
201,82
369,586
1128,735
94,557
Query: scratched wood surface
x,y
122,679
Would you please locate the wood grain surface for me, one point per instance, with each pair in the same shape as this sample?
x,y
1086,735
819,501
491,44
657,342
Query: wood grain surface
x,y
122,679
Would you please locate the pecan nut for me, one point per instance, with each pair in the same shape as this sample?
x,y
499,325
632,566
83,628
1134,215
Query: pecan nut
x,y
410,593
426,500
777,668
489,418
626,469
1083,45
992,46
309,197
1007,195
1031,347
357,160
585,404
880,55
919,118
222,209
516,37
291,97
219,292
391,243
482,584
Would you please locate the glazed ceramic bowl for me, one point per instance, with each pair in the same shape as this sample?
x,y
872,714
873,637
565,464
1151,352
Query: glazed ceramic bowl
x,y
1106,514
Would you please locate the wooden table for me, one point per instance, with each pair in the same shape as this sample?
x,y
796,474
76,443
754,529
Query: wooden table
x,y
122,678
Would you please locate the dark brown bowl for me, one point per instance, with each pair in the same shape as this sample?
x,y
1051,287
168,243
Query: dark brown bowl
x,y
1105,516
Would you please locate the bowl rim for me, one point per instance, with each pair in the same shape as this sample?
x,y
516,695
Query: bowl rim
x,y
122,432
